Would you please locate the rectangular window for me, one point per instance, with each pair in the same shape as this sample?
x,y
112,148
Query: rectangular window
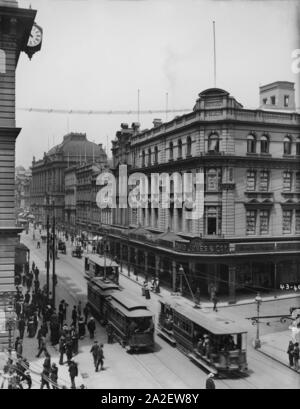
x,y
287,221
251,222
264,221
297,182
265,100
264,181
213,220
251,180
273,100
297,224
287,181
286,100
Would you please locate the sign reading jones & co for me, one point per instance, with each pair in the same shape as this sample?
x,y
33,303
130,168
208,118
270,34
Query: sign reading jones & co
x,y
200,246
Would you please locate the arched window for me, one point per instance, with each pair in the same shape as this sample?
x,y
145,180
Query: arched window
x,y
156,154
298,146
287,145
188,146
2,62
251,144
179,149
149,157
213,142
264,144
171,151
143,158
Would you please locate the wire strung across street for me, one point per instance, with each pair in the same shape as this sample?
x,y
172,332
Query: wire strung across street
x,y
101,112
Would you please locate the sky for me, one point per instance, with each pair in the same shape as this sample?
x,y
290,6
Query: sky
x,y
96,54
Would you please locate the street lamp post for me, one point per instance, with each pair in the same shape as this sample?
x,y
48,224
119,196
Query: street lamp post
x,y
53,259
257,342
48,248
10,325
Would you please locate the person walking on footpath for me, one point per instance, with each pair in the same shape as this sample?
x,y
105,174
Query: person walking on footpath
x,y
19,349
54,376
86,312
73,371
100,360
290,352
210,384
296,356
91,327
45,378
43,347
74,315
215,301
97,353
62,349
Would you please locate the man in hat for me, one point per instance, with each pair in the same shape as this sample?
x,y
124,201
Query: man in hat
x,y
210,384
91,327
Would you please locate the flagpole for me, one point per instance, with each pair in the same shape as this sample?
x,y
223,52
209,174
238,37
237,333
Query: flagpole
x,y
215,57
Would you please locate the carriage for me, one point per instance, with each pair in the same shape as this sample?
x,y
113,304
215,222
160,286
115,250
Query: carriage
x,y
62,247
214,343
77,252
131,322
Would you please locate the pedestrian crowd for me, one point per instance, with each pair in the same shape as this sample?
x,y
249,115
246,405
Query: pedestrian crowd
x,y
37,318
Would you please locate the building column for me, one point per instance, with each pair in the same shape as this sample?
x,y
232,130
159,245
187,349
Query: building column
x,y
146,265
174,275
157,265
128,259
232,283
121,257
136,264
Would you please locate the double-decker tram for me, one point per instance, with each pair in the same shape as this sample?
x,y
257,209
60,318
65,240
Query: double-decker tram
x,y
217,344
131,321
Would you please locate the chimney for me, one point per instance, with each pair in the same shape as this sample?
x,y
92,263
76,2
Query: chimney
x,y
157,122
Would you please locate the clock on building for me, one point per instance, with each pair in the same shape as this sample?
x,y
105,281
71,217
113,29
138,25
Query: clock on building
x,y
35,40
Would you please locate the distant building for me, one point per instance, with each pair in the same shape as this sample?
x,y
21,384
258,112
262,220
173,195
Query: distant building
x,y
23,183
48,174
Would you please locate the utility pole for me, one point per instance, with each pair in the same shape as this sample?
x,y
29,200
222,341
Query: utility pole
x,y
54,255
105,238
48,247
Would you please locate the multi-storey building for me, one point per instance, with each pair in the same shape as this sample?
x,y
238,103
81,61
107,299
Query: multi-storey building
x,y
15,27
70,199
48,174
89,216
249,235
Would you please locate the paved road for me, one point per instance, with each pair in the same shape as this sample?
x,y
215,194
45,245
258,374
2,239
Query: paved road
x,y
166,367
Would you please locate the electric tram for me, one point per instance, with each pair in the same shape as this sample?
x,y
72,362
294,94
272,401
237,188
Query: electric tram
x,y
99,266
131,321
217,344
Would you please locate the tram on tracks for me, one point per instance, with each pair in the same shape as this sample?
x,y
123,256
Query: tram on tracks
x,y
131,323
100,266
214,343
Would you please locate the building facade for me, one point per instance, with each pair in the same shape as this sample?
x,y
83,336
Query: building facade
x,y
48,174
23,183
249,236
15,27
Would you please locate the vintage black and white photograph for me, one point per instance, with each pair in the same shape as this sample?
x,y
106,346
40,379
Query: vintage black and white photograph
x,y
149,197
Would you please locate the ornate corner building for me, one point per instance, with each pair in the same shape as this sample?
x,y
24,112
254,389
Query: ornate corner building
x,y
15,27
249,237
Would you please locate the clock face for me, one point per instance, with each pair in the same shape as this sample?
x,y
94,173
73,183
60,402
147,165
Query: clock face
x,y
36,36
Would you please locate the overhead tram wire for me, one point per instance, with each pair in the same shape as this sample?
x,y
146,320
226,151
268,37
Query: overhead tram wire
x,y
102,112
